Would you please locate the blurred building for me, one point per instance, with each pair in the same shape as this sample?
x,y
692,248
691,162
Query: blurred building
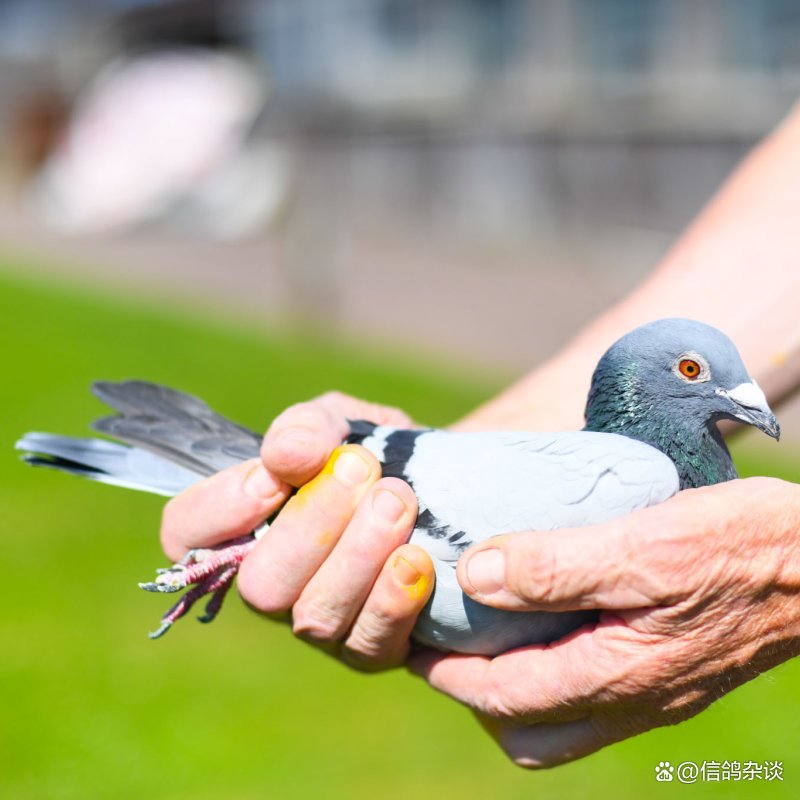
x,y
512,144
525,115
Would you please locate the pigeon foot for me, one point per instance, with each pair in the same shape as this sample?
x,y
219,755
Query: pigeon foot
x,y
208,571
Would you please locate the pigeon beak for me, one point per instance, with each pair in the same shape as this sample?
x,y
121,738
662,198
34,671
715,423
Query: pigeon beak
x,y
750,406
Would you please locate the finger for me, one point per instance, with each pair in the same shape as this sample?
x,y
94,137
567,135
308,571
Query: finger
x,y
479,683
587,668
355,408
549,744
457,675
628,563
226,505
380,637
333,597
305,532
300,440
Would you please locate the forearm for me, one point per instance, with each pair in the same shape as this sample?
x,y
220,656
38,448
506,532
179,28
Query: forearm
x,y
737,267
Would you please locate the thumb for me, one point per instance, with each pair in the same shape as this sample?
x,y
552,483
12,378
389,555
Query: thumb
x,y
610,566
301,439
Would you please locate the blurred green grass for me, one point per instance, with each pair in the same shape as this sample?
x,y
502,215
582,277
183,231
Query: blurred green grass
x,y
90,708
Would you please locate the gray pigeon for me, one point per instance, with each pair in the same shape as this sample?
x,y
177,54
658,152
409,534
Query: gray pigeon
x,y
651,415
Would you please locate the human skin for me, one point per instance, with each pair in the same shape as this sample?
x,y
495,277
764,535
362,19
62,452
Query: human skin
x,y
700,593
334,562
735,268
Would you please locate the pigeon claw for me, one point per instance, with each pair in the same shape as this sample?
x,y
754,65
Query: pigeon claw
x,y
161,630
194,556
211,574
213,606
164,588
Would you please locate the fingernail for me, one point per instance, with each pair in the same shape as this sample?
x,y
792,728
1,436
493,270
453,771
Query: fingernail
x,y
405,572
257,483
351,469
388,505
486,571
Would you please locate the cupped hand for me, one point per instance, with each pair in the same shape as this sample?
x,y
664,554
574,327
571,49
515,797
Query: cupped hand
x,y
335,561
700,594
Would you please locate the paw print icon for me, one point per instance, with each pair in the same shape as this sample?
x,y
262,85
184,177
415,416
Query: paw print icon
x,y
664,771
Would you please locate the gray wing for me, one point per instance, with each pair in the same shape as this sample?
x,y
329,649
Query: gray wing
x,y
453,621
174,425
474,485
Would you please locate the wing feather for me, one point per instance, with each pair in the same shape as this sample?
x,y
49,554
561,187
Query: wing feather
x,y
174,425
484,484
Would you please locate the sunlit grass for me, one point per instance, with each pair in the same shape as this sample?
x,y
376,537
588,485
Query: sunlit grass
x,y
90,708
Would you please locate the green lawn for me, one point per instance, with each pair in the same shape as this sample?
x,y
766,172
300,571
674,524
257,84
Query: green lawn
x,y
91,708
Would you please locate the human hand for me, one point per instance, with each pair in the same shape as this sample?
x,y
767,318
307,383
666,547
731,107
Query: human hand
x,y
334,562
700,594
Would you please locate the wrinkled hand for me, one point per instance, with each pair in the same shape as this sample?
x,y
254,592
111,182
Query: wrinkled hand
x,y
701,595
334,561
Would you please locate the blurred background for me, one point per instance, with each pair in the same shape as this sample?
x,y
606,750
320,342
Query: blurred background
x,y
259,200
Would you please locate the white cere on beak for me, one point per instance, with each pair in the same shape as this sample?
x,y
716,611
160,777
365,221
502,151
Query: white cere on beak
x,y
748,395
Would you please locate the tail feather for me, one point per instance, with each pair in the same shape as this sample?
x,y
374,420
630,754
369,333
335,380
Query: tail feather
x,y
174,425
107,462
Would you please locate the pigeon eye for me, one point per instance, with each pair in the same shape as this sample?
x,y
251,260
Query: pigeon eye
x,y
689,368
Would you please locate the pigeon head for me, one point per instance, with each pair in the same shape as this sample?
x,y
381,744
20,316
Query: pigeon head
x,y
668,383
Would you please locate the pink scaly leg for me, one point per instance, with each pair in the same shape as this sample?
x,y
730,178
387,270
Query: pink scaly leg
x,y
210,570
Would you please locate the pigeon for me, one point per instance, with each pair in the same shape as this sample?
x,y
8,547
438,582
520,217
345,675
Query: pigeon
x,y
651,430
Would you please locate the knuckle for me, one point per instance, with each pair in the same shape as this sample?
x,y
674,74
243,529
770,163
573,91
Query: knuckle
x,y
534,577
495,703
367,651
378,621
369,635
371,640
629,674
316,627
363,660
361,655
668,564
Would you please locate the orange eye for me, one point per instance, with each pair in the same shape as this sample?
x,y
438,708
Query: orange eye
x,y
689,368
